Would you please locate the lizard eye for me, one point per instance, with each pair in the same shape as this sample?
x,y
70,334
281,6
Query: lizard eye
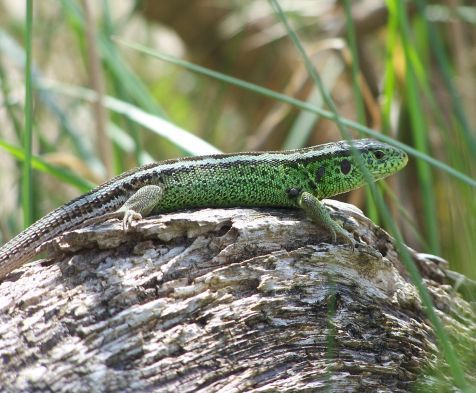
x,y
379,154
345,166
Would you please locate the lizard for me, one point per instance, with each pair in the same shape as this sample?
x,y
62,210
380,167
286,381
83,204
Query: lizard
x,y
294,178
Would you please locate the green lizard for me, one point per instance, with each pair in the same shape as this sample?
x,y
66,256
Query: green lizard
x,y
294,178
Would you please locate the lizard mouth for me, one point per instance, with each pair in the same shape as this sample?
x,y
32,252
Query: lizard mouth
x,y
402,160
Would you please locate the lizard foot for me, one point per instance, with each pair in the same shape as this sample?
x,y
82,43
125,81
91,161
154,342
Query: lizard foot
x,y
348,239
129,217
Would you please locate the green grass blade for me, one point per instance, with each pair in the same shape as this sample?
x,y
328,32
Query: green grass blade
x,y
419,127
14,52
108,29
40,164
9,107
390,77
372,210
127,143
302,105
184,140
443,339
310,67
305,121
352,43
115,63
445,68
26,181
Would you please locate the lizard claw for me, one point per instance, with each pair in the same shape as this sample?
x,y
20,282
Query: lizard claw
x,y
346,236
129,217
350,241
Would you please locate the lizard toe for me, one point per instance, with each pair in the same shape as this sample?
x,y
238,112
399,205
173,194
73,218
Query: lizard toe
x,y
129,217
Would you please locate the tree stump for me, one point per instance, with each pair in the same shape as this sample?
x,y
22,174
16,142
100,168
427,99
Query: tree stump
x,y
225,300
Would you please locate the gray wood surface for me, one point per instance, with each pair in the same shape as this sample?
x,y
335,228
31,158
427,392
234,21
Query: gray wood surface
x,y
223,300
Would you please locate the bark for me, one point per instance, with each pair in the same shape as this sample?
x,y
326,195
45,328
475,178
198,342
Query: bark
x,y
225,300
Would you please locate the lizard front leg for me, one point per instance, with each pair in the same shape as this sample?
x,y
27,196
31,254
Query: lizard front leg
x,y
144,200
318,213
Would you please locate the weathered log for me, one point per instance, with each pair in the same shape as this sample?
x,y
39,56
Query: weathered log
x,y
224,300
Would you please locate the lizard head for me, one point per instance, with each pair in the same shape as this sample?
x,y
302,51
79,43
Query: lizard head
x,y
381,159
342,168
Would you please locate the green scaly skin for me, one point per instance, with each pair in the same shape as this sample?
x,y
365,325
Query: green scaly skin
x,y
294,178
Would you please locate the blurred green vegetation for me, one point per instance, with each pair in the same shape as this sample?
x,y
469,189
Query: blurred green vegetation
x,y
404,69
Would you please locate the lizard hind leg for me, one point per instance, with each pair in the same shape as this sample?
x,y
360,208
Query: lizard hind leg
x,y
140,204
